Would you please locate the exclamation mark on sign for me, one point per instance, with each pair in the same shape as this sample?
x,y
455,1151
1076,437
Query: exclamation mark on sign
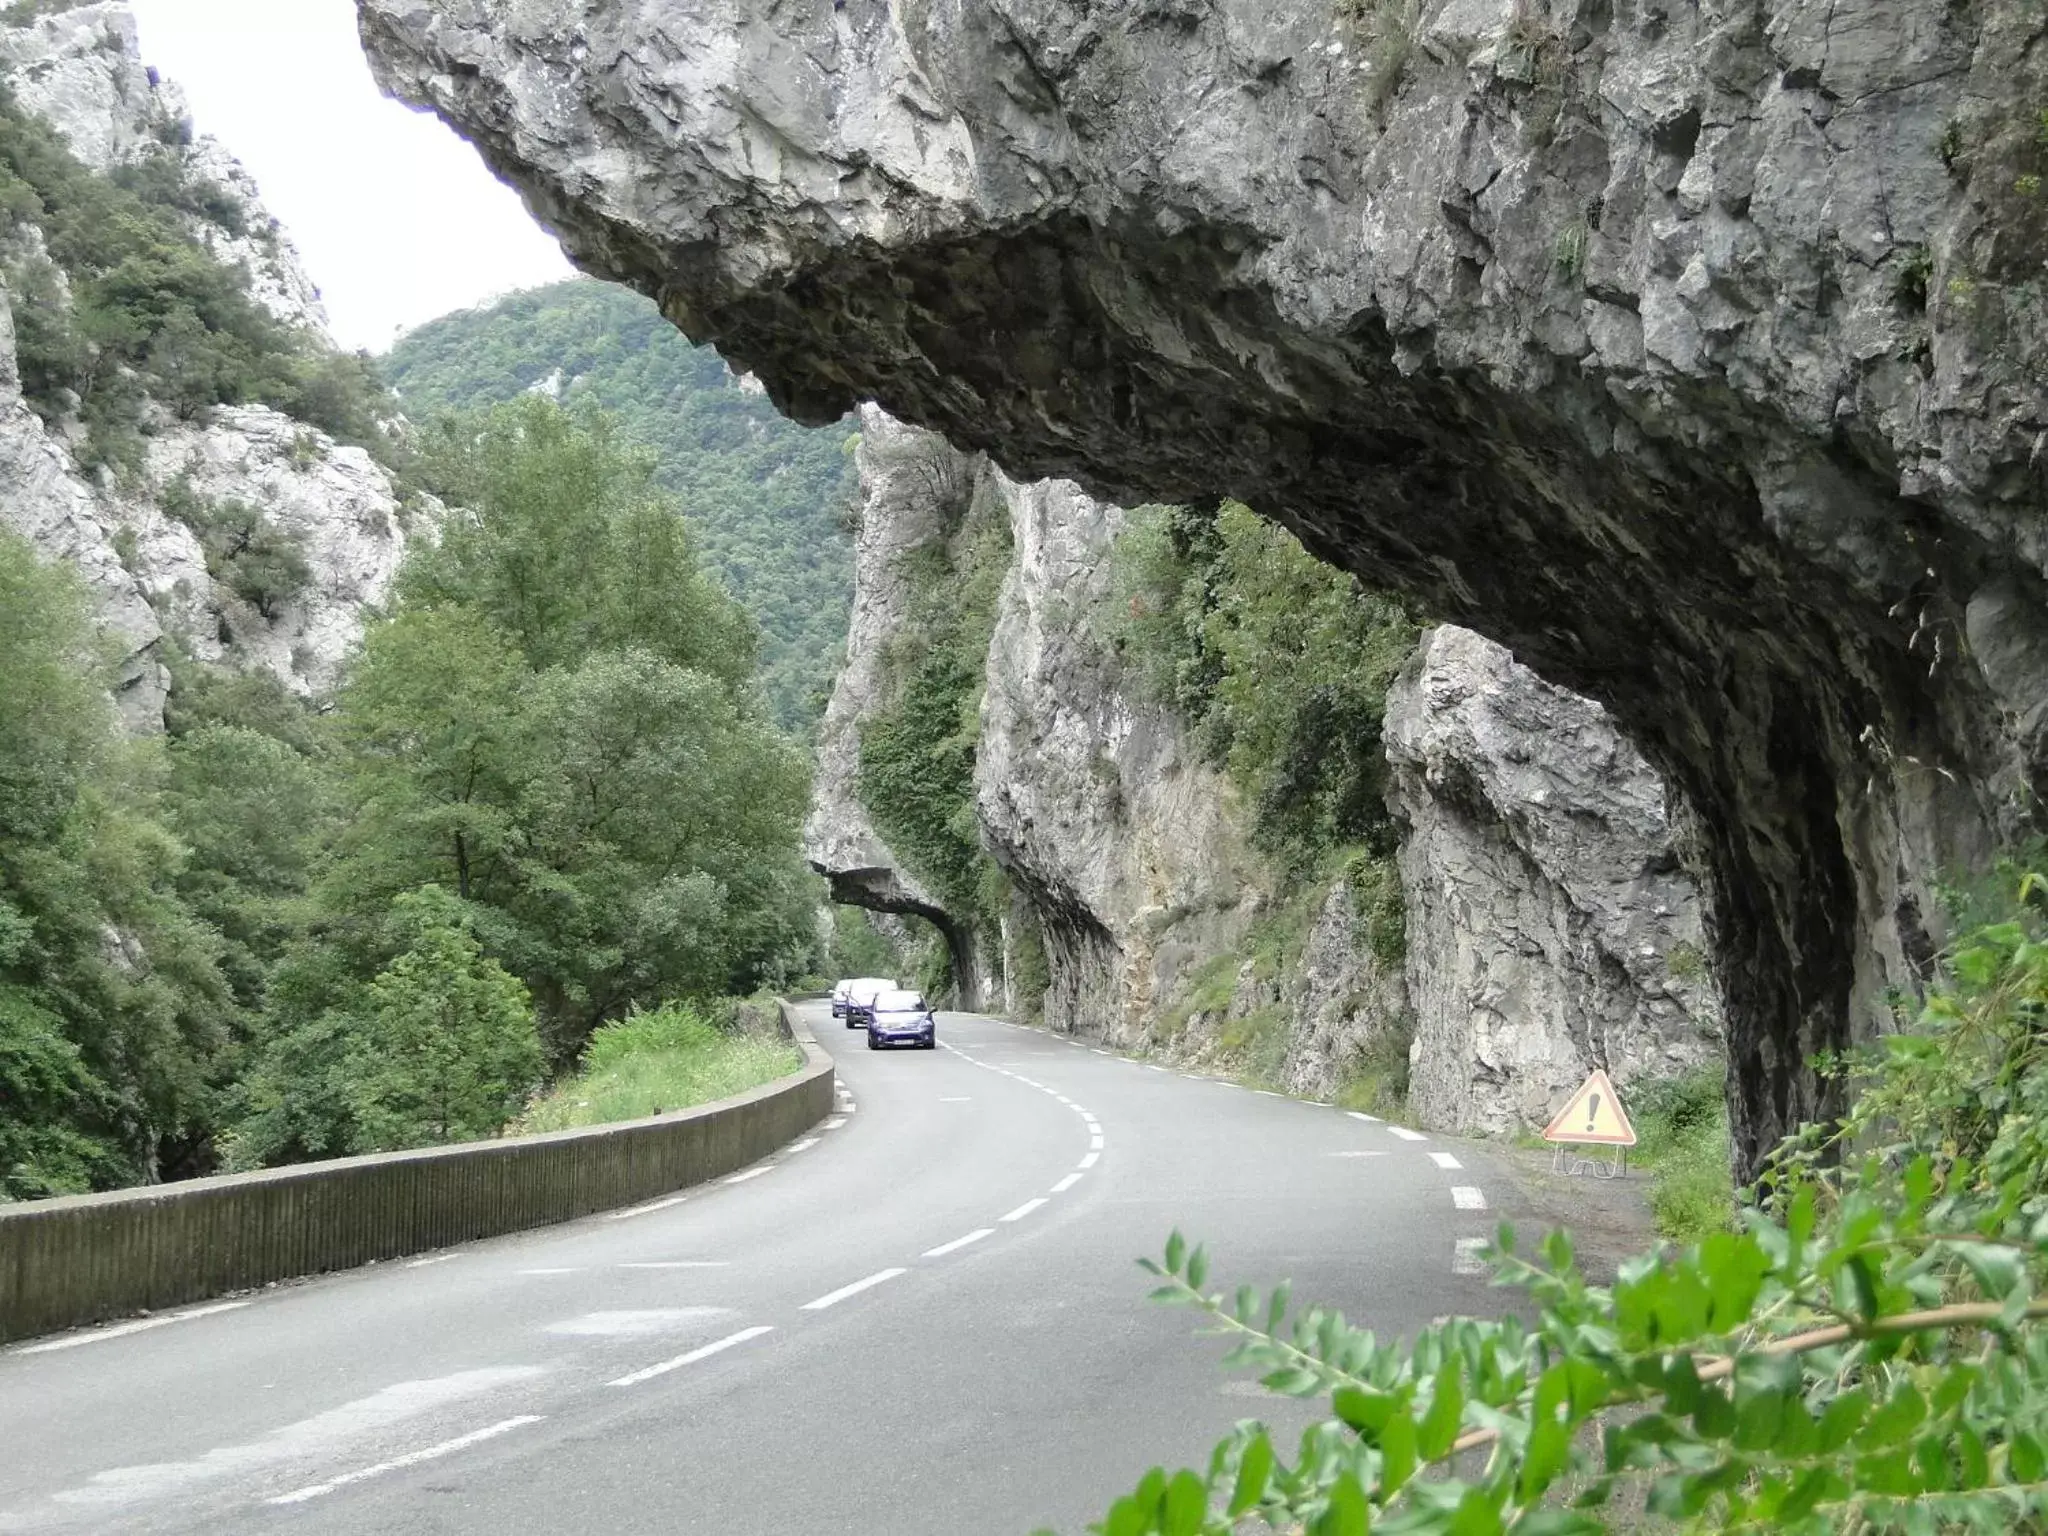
x,y
1592,1112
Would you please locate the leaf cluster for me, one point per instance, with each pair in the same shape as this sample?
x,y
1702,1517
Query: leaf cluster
x,y
1862,1352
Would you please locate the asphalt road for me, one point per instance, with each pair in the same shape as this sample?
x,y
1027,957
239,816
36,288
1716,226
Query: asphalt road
x,y
923,1317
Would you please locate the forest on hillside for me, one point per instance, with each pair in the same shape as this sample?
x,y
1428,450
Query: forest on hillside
x,y
545,797
766,497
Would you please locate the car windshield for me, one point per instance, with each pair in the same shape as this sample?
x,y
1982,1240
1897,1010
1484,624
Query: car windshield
x,y
866,991
899,1002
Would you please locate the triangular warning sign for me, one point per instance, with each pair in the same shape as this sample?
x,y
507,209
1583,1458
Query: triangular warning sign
x,y
1594,1115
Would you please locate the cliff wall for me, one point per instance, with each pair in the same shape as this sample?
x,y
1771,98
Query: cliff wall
x,y
1548,929
1692,352
159,542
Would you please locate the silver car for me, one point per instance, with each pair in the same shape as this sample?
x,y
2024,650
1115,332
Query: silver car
x,y
861,993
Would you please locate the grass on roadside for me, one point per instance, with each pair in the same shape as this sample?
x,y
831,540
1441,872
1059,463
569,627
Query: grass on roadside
x,y
1682,1142
650,1063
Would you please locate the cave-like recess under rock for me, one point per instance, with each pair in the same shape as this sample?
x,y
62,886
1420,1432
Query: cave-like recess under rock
x,y
1695,352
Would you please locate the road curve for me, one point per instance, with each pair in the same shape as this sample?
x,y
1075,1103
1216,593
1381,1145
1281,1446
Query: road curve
x,y
924,1317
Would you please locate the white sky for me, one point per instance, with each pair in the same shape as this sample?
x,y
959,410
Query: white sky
x,y
397,218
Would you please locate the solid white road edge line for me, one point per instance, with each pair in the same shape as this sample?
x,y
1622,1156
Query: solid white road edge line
x,y
1445,1160
410,1459
833,1298
704,1353
647,1210
140,1325
1091,1159
1405,1134
1467,1197
677,1264
959,1242
1066,1184
1468,1258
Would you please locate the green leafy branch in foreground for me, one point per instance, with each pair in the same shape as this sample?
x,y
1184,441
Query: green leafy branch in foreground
x,y
1862,1353
1881,1375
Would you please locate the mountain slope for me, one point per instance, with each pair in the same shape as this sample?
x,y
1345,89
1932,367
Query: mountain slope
x,y
764,494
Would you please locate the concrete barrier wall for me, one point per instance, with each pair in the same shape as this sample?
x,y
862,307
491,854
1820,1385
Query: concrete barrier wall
x,y
85,1258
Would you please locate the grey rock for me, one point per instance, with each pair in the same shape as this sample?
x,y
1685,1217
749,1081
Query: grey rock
x,y
1550,928
1177,251
44,500
914,490
336,502
1127,845
82,70
145,569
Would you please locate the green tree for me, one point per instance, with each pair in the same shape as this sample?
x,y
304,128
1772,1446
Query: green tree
x,y
1281,662
249,810
566,543
431,718
117,1016
765,499
446,1049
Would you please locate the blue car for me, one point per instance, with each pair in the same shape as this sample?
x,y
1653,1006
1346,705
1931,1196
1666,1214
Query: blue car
x,y
902,1018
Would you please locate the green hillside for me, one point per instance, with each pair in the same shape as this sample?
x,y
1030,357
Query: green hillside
x,y
764,494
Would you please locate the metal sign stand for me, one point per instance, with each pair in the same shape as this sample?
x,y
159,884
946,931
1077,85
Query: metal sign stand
x,y
1592,1118
1570,1161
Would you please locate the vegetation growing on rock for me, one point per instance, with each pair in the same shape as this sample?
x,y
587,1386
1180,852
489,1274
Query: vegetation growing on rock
x,y
120,308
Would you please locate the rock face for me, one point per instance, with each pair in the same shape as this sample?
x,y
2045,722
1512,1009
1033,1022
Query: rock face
x,y
43,500
1124,842
82,70
1550,928
913,487
132,539
1695,353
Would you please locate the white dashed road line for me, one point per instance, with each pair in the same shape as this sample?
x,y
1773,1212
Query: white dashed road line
x,y
1023,1210
1405,1134
801,1146
703,1353
751,1173
1469,1258
958,1243
833,1298
1467,1198
1445,1160
1066,1184
140,1325
1380,1153
1359,1114
1091,1159
834,1123
1095,1142
439,1258
411,1459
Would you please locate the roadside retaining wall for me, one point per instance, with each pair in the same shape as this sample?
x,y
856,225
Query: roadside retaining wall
x,y
85,1258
